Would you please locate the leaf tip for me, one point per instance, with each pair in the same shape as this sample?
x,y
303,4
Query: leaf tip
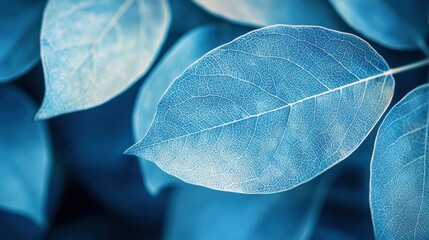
x,y
49,109
42,114
131,150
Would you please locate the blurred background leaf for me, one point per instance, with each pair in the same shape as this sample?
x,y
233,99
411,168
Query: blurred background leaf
x,y
20,22
392,23
25,153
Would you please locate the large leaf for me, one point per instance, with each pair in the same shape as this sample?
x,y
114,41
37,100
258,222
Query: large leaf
x,y
187,50
268,12
199,213
270,110
395,24
25,162
94,50
20,22
400,170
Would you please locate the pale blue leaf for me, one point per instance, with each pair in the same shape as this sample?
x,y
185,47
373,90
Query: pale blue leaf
x,y
269,110
198,213
400,170
187,50
94,50
20,22
25,161
396,24
268,12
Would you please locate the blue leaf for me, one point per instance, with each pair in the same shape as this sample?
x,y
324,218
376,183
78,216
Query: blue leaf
x,y
395,24
399,170
20,22
94,50
187,50
199,213
25,165
268,12
270,110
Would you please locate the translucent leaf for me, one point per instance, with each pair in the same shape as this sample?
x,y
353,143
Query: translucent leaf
x,y
396,24
187,50
270,110
20,22
268,12
25,162
94,50
198,213
399,170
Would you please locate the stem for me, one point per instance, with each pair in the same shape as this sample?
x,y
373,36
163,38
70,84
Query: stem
x,y
408,67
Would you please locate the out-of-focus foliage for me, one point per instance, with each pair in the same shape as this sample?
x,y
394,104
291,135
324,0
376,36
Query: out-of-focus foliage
x,y
261,13
20,22
25,158
197,213
93,151
392,23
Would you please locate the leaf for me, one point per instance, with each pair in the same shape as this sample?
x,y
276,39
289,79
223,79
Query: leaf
x,y
269,110
199,213
399,170
25,166
94,50
20,22
392,23
187,50
261,13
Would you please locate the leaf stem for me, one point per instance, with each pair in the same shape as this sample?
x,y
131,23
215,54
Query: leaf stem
x,y
408,67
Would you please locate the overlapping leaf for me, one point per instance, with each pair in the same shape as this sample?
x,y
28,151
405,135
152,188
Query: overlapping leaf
x,y
94,50
25,162
270,110
400,170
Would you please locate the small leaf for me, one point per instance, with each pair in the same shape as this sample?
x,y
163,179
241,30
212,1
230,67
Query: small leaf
x,y
270,110
25,161
20,22
199,213
400,170
261,13
187,50
94,50
392,23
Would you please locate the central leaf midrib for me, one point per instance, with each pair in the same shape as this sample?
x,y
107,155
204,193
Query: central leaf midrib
x,y
109,26
385,73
